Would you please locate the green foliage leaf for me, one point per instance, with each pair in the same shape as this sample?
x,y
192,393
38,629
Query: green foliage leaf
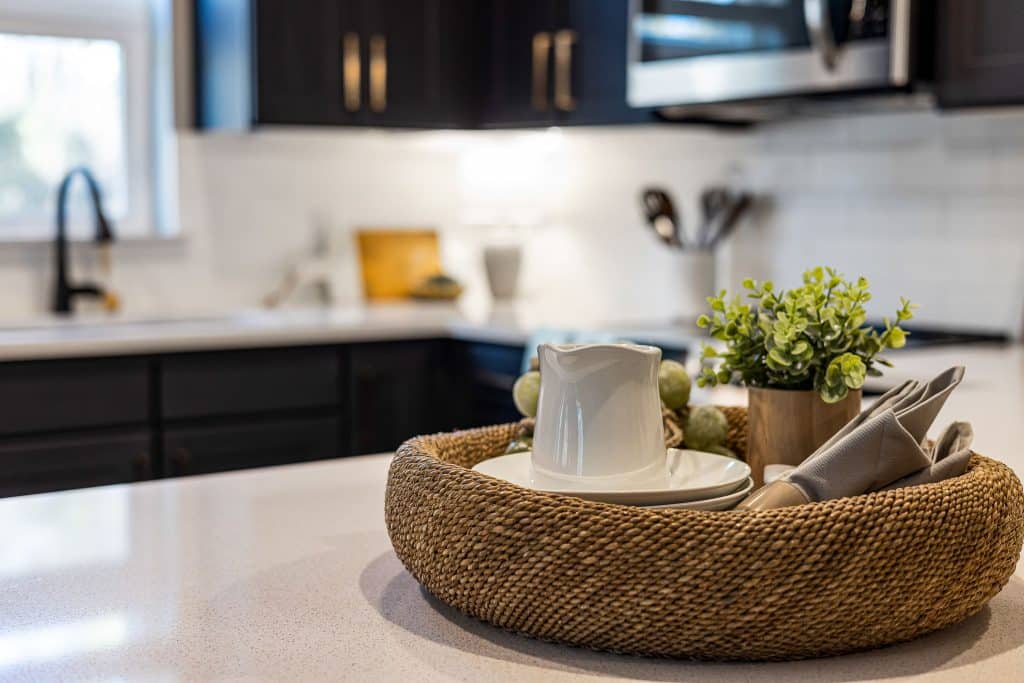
x,y
812,336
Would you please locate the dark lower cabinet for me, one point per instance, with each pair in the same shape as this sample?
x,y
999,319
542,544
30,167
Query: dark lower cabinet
x,y
60,395
202,385
980,56
223,447
86,422
491,370
397,391
71,461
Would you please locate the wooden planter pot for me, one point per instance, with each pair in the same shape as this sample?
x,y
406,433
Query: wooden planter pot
x,y
788,425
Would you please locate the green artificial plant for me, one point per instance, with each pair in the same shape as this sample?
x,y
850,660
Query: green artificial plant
x,y
810,337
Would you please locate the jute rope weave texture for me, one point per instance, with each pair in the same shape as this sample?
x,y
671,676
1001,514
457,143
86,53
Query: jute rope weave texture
x,y
806,581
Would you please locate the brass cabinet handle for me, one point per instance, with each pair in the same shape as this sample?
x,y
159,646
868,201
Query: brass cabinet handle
x,y
351,70
564,41
541,48
378,72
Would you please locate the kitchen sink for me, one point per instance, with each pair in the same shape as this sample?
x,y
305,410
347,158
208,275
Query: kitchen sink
x,y
108,322
95,324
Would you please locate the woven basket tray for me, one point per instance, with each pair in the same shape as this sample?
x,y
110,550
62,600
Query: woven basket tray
x,y
805,581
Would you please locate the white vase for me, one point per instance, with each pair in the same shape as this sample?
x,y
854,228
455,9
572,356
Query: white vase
x,y
502,266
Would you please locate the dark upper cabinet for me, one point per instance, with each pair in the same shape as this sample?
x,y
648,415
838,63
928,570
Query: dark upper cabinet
x,y
518,79
278,62
556,62
590,64
980,56
411,63
299,75
420,66
408,63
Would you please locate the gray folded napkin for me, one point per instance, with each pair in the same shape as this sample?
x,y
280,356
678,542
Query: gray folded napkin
x,y
882,446
949,458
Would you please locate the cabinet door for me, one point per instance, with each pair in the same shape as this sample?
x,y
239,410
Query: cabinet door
x,y
980,53
44,396
399,86
223,383
395,393
457,63
520,62
590,51
492,369
56,463
302,61
420,62
234,446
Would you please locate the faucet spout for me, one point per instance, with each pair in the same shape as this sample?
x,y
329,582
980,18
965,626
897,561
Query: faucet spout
x,y
64,290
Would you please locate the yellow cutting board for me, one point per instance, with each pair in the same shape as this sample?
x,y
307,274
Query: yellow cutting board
x,y
394,261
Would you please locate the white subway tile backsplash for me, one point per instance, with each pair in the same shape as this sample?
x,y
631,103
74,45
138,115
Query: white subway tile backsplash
x,y
931,209
925,205
889,132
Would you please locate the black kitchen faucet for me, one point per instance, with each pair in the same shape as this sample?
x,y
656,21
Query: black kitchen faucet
x,y
65,292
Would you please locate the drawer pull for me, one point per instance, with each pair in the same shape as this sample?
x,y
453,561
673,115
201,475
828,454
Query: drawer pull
x,y
351,69
541,49
564,41
378,72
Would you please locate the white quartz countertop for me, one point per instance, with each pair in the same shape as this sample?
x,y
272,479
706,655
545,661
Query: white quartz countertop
x,y
287,573
84,336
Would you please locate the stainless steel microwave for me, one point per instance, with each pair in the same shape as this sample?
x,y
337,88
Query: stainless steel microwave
x,y
698,52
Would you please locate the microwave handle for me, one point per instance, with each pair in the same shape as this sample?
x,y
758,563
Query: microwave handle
x,y
819,28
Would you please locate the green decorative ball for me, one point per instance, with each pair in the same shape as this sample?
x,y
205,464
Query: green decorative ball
x,y
705,428
526,392
673,384
722,450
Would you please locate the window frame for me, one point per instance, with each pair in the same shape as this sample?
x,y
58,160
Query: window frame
x,y
139,136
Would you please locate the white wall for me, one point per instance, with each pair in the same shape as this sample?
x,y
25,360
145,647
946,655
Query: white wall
x,y
926,206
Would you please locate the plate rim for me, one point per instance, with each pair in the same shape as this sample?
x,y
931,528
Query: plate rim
x,y
634,497
741,493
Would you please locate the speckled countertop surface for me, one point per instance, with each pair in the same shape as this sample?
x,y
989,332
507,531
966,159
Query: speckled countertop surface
x,y
287,574
91,335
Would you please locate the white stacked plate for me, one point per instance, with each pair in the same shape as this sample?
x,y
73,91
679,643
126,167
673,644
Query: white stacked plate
x,y
696,480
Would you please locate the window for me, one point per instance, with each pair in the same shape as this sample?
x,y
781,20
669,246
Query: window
x,y
78,88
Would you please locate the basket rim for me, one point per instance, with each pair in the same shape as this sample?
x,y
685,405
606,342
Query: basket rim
x,y
419,448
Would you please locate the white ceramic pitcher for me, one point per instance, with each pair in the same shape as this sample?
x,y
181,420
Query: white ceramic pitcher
x,y
599,415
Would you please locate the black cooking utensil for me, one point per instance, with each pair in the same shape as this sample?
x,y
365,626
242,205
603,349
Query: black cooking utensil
x,y
730,216
661,215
